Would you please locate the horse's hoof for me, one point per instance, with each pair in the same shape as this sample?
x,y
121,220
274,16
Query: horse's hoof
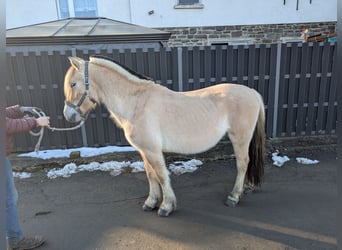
x,y
147,208
163,213
230,203
248,190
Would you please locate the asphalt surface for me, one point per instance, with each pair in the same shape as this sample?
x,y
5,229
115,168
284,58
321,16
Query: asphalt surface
x,y
295,208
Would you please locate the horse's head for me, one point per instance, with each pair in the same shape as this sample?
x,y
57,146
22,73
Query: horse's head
x,y
78,100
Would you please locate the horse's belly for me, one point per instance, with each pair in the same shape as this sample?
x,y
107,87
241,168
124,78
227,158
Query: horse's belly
x,y
194,141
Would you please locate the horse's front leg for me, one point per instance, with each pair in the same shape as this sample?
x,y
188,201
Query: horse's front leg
x,y
157,163
155,195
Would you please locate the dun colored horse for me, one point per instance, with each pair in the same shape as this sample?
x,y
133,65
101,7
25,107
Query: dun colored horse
x,y
156,120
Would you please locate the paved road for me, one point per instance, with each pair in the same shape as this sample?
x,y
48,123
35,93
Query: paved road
x,y
294,209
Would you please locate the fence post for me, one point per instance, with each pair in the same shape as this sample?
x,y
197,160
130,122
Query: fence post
x,y
180,69
276,92
83,130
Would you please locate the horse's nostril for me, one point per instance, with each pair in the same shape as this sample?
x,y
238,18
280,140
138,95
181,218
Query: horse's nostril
x,y
72,118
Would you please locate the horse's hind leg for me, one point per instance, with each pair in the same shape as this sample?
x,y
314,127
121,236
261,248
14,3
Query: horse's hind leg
x,y
157,164
155,195
248,187
241,147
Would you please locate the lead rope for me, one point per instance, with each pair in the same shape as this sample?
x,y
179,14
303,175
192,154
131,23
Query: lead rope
x,y
41,131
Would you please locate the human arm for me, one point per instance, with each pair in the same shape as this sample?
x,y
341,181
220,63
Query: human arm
x,y
25,124
14,112
17,111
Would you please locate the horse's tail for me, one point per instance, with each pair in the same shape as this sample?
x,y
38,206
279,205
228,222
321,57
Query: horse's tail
x,y
255,170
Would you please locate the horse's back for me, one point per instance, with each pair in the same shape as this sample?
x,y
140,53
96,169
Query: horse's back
x,y
194,121
228,93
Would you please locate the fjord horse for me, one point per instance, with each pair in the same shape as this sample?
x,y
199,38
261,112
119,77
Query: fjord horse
x,y
156,120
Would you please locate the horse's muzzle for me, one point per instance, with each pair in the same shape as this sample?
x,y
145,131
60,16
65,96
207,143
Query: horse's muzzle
x,y
73,115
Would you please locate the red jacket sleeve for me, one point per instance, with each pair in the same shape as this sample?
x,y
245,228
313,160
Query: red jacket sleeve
x,y
20,125
14,112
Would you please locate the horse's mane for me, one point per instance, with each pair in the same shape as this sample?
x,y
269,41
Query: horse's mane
x,y
138,75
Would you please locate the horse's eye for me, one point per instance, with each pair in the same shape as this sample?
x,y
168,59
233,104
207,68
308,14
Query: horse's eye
x,y
73,84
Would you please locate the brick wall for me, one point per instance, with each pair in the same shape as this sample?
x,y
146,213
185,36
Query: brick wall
x,y
272,33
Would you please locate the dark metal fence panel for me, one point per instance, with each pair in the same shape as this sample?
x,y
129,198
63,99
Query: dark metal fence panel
x,y
297,82
332,96
19,91
36,79
305,97
260,75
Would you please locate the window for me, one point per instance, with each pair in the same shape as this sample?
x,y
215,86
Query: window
x,y
189,4
63,9
77,8
85,8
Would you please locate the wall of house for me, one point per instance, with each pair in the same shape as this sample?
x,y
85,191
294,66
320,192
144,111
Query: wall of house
x,y
232,12
118,10
161,14
244,34
235,22
24,12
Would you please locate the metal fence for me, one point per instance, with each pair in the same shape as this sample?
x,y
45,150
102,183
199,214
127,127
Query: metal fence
x,y
296,80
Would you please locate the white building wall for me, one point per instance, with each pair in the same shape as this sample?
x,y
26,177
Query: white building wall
x,y
214,13
25,12
232,12
119,10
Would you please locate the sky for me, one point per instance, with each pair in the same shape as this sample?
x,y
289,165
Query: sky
x,y
116,168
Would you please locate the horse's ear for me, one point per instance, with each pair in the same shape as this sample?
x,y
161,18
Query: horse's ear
x,y
76,62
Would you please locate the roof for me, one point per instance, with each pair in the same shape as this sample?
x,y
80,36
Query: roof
x,y
83,31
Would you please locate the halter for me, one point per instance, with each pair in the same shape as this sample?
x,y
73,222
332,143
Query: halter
x,y
85,94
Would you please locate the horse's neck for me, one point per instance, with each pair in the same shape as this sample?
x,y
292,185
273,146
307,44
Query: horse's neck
x,y
118,94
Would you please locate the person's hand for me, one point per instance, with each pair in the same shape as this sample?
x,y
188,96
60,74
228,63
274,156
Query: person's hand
x,y
43,121
30,110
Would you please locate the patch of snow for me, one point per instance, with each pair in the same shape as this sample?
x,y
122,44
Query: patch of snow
x,y
84,152
137,166
181,167
303,160
115,167
22,175
279,161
